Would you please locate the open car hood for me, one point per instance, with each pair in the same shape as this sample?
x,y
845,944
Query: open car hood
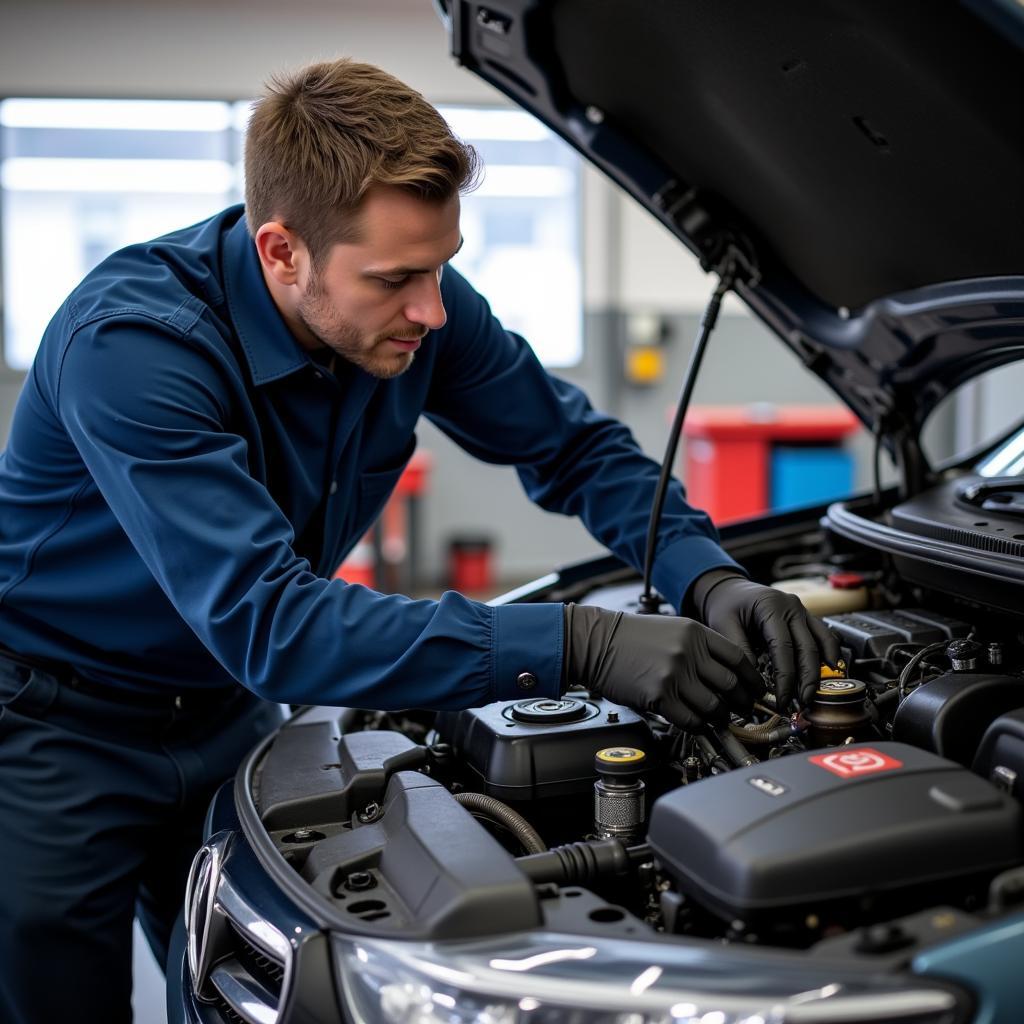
x,y
864,160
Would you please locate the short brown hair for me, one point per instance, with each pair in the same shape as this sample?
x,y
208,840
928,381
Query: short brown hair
x,y
321,137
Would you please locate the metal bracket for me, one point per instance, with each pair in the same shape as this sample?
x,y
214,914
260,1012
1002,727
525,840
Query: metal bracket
x,y
693,213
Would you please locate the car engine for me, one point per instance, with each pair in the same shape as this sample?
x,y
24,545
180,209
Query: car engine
x,y
886,813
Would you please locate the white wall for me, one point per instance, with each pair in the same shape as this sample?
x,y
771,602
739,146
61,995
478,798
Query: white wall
x,y
217,49
228,48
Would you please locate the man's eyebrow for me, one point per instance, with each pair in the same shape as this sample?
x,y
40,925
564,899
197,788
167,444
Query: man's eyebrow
x,y
403,271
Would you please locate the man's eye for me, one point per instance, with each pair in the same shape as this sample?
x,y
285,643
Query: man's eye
x,y
392,283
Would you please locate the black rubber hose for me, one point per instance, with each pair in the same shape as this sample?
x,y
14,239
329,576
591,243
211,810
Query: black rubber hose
x,y
886,698
734,750
775,730
488,807
908,669
757,730
583,863
710,755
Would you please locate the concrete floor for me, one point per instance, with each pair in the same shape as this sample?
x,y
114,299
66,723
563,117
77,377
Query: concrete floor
x,y
148,997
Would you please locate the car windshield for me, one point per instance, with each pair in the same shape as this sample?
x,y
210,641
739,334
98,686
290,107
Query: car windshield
x,y
1007,459
982,415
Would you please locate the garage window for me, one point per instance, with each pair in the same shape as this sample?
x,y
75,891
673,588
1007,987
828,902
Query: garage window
x,y
521,229
80,178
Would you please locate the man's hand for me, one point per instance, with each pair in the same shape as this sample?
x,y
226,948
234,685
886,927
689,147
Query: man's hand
x,y
673,667
751,615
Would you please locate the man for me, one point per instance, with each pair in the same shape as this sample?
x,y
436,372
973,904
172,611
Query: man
x,y
213,419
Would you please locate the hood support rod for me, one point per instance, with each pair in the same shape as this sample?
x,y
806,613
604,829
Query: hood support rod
x,y
649,601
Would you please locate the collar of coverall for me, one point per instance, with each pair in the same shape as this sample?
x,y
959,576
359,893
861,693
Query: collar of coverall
x,y
270,348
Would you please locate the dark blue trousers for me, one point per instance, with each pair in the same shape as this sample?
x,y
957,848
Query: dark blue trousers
x,y
101,810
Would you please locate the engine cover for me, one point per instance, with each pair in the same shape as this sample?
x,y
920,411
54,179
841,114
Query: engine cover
x,y
538,748
807,829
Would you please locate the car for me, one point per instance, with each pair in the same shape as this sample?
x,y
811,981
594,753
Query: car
x,y
856,170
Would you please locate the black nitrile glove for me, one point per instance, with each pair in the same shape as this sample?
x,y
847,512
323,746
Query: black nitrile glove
x,y
674,667
751,615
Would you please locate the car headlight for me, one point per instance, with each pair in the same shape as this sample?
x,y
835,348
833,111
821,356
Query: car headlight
x,y
551,979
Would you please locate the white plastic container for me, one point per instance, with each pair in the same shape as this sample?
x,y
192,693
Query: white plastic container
x,y
828,595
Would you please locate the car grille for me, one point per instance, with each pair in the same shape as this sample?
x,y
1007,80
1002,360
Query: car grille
x,y
237,960
269,971
228,1014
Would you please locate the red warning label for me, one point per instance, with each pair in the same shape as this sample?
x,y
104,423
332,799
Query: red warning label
x,y
851,763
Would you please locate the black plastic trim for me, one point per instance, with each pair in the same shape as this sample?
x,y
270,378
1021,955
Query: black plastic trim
x,y
930,550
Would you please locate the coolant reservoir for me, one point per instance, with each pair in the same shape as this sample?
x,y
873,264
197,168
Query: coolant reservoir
x,y
838,710
828,595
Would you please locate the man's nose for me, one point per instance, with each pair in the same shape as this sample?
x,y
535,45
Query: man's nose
x,y
425,305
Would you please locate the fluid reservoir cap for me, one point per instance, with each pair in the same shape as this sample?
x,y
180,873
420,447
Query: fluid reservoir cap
x,y
620,761
840,691
549,710
839,672
845,580
963,655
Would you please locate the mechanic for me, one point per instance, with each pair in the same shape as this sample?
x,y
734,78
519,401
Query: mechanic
x,y
212,420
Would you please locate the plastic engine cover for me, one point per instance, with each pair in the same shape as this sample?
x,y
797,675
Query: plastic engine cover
x,y
823,826
540,748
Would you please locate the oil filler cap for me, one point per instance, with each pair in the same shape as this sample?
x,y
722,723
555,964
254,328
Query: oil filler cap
x,y
549,710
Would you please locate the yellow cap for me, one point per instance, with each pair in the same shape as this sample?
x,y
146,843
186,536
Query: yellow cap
x,y
620,755
839,672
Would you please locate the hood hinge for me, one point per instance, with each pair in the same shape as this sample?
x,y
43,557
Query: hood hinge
x,y
699,218
915,471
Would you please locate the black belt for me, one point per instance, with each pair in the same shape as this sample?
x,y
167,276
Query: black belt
x,y
180,700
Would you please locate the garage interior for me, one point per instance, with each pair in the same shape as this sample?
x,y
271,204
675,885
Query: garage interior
x,y
626,308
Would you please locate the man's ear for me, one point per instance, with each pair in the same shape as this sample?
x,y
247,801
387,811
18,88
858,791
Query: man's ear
x,y
281,252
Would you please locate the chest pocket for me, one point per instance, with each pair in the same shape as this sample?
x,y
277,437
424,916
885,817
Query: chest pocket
x,y
376,485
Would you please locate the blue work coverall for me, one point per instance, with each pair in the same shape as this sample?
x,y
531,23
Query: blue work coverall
x,y
180,482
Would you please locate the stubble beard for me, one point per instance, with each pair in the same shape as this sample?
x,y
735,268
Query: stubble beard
x,y
325,322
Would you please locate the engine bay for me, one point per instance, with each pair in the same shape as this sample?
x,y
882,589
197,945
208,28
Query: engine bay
x,y
885,815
